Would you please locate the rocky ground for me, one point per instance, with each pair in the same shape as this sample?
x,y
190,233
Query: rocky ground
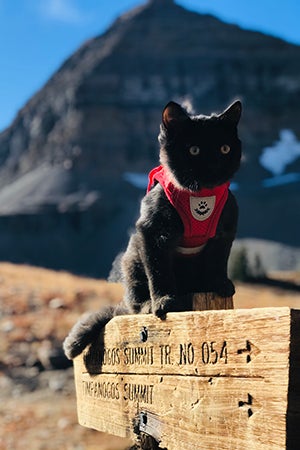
x,y
37,395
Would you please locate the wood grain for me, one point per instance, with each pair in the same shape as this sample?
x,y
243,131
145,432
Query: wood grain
x,y
201,380
211,301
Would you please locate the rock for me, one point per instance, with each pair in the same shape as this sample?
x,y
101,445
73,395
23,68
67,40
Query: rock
x,y
7,326
57,303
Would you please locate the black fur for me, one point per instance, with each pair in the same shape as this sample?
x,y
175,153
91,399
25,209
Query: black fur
x,y
157,279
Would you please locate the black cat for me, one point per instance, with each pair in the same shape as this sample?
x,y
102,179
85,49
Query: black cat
x,y
187,222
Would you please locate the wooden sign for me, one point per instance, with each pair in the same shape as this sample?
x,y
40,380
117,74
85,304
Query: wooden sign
x,y
201,380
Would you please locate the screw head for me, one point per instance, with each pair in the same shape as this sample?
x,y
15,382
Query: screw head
x,y
144,334
143,418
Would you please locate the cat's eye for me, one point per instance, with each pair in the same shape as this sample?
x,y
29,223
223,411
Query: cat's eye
x,y
225,149
194,150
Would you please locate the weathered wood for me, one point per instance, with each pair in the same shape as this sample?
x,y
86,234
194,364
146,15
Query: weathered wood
x,y
203,380
201,302
210,301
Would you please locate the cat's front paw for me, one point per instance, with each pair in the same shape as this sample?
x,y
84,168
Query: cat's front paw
x,y
225,288
161,306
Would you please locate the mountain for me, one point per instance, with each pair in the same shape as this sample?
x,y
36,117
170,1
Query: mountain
x,y
70,161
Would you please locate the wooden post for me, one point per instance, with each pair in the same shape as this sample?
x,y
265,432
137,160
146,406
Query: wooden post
x,y
201,302
210,301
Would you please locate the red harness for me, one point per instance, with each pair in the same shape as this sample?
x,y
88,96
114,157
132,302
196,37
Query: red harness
x,y
199,211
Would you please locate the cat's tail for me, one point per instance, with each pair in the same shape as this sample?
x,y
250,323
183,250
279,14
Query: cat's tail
x,y
86,330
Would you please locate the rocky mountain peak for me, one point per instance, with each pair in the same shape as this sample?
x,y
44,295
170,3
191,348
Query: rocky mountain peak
x,y
97,118
161,2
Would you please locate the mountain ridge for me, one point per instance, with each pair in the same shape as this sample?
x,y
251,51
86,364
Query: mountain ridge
x,y
63,159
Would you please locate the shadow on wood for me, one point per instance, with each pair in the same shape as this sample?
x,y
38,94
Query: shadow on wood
x,y
145,442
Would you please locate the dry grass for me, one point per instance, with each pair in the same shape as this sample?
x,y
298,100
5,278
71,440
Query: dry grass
x,y
257,296
46,421
38,306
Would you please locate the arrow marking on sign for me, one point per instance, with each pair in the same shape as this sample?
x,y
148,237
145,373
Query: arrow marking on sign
x,y
250,350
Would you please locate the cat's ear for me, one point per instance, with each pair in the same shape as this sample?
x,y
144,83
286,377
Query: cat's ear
x,y
173,115
232,113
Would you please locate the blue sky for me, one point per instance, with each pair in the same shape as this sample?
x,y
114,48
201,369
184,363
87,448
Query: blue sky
x,y
36,36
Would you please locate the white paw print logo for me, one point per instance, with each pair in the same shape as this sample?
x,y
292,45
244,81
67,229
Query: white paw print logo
x,y
202,207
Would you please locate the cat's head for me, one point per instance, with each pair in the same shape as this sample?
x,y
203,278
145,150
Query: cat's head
x,y
200,151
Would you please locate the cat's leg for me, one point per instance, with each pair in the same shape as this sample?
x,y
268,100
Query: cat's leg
x,y
158,232
158,263
137,295
85,331
218,250
216,276
148,278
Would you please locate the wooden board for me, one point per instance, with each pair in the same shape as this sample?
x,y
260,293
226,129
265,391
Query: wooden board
x,y
201,380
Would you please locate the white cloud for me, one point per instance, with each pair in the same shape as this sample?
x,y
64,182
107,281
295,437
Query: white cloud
x,y
283,152
62,10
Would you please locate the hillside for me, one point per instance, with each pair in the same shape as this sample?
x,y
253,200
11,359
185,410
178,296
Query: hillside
x,y
37,396
68,159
